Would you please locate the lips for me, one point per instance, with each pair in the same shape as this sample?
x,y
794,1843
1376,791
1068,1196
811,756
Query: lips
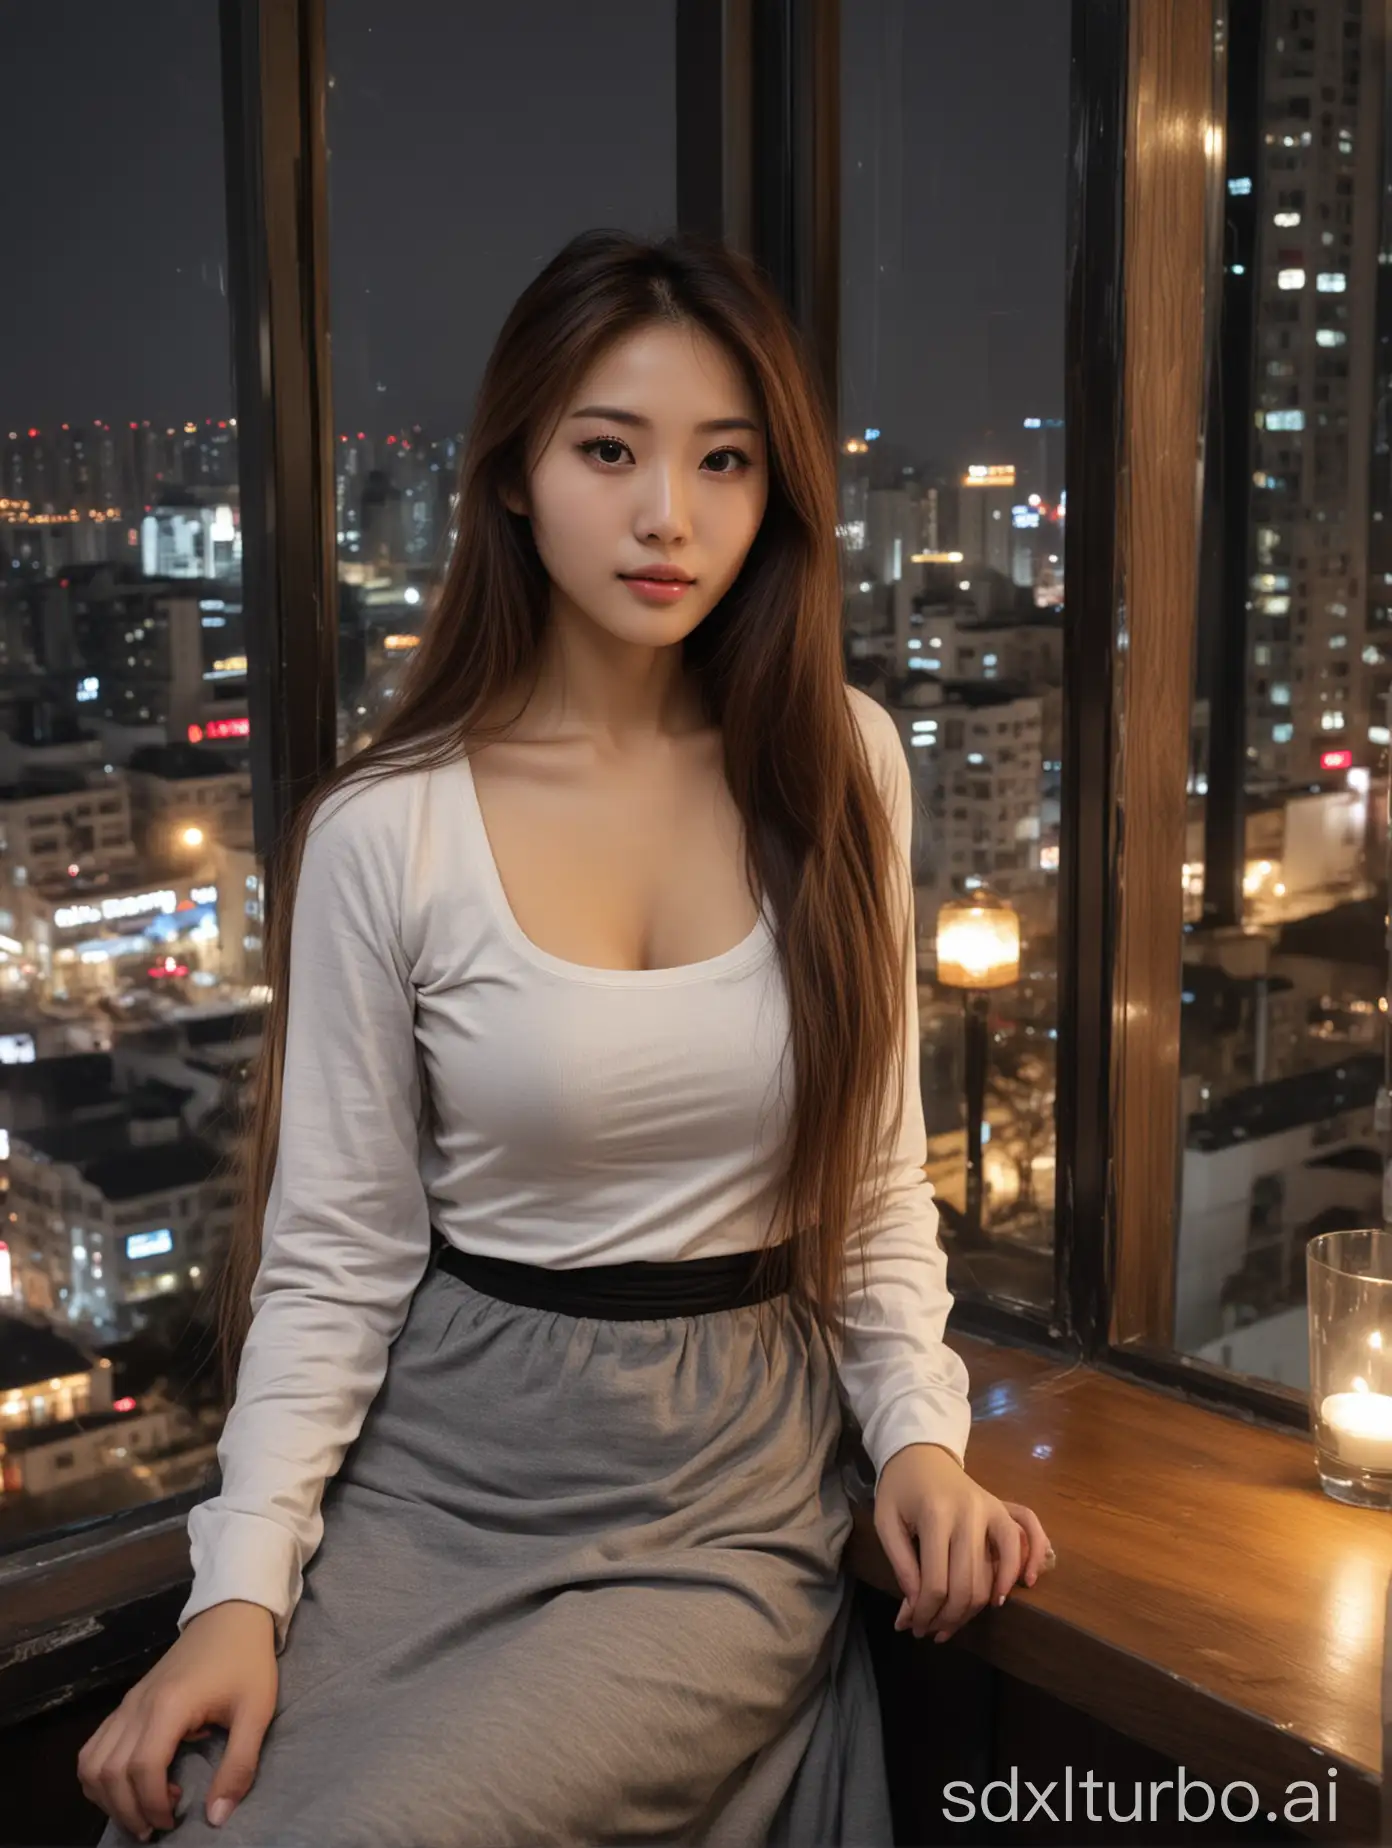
x,y
657,586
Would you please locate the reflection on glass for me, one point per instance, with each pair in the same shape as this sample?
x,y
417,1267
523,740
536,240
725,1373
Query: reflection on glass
x,y
1285,874
528,123
952,521
130,895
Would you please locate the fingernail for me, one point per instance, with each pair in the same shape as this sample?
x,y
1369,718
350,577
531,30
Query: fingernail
x,y
219,1812
1001,1599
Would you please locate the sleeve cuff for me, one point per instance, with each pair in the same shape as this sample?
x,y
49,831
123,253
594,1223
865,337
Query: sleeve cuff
x,y
920,1418
246,1557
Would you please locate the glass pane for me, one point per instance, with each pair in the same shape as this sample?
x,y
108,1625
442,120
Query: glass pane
x,y
1285,879
952,510
129,889
469,142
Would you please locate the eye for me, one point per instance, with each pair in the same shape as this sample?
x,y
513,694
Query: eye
x,y
607,450
736,459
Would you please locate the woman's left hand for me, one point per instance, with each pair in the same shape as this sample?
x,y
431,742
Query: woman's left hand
x,y
971,1548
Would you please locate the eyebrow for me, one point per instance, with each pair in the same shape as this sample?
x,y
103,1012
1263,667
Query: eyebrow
x,y
644,423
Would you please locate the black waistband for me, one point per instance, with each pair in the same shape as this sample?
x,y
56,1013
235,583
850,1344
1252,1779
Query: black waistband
x,y
640,1290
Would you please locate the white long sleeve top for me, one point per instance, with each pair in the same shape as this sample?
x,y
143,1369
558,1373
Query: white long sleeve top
x,y
442,1069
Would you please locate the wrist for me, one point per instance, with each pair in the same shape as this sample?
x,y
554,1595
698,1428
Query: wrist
x,y
246,1611
926,1450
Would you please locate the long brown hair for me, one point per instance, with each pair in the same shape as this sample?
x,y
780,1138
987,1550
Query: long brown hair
x,y
768,664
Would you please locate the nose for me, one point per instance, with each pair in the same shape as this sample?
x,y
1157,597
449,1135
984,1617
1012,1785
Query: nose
x,y
662,513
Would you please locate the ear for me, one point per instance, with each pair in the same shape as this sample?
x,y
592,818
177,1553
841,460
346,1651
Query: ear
x,y
516,502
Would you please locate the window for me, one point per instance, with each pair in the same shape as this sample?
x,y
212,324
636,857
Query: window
x,y
1285,965
120,536
406,358
952,517
950,364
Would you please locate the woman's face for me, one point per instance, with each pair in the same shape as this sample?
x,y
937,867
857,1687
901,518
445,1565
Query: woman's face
x,y
648,494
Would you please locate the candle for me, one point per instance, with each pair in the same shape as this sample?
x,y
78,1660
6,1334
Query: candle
x,y
1360,1428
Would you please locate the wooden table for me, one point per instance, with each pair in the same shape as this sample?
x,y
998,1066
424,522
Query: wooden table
x,y
1209,1599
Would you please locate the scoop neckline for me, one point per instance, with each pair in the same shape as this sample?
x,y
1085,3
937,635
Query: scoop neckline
x,y
757,942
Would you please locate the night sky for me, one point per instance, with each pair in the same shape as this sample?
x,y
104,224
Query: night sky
x,y
468,141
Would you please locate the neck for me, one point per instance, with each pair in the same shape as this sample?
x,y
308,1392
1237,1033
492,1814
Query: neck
x,y
620,695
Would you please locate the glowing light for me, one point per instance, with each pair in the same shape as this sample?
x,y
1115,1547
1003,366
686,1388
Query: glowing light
x,y
978,943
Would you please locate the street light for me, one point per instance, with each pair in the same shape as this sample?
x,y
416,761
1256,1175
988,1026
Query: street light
x,y
978,945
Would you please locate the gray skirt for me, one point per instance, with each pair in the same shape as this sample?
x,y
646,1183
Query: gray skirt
x,y
579,1583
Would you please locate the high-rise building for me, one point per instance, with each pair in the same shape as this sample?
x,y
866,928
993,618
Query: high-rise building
x,y
986,493
193,532
1315,290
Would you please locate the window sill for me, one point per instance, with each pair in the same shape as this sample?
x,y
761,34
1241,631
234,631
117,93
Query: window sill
x,y
91,1607
1209,1600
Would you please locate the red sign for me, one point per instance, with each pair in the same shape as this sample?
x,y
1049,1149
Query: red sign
x,y
227,728
1336,760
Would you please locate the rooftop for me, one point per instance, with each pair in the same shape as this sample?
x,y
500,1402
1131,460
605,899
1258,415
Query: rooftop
x,y
31,1352
128,1174
1354,933
181,761
1287,1103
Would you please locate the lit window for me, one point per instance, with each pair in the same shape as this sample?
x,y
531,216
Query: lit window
x,y
1330,337
1238,188
1290,279
1331,282
1280,693
1331,721
1282,734
1285,420
1286,220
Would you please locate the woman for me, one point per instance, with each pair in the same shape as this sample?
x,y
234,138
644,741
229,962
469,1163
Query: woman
x,y
584,1168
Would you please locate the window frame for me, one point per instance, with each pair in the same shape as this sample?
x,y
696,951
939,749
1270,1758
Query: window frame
x,y
765,75
1187,62
98,1601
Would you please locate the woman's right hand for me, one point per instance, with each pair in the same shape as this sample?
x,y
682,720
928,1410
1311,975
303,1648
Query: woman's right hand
x,y
222,1671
